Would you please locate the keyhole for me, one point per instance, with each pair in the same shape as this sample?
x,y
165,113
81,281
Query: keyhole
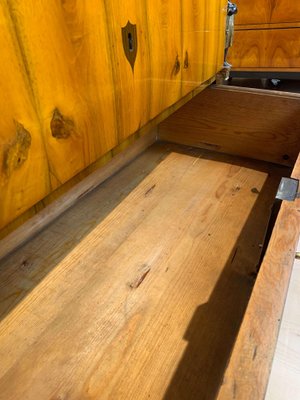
x,y
130,41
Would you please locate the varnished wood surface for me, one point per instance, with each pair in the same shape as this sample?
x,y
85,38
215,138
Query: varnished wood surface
x,y
132,91
202,41
58,83
267,36
253,123
139,289
24,169
267,11
14,228
266,48
66,81
248,371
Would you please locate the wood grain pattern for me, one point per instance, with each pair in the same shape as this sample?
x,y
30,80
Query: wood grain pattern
x,y
165,42
57,84
203,41
267,11
111,303
24,172
47,215
253,123
132,89
270,49
248,371
87,28
267,36
11,227
86,98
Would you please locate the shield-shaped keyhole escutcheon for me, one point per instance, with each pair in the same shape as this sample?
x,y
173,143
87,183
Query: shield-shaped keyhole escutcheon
x,y
129,36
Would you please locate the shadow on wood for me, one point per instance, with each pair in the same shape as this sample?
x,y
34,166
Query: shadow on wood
x,y
80,304
33,261
214,327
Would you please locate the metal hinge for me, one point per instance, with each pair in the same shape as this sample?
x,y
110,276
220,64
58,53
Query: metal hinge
x,y
288,189
224,75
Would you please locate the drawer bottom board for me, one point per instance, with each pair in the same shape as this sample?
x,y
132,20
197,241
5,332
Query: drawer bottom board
x,y
138,291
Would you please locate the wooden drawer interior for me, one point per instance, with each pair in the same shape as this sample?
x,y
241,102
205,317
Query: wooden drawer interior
x,y
141,289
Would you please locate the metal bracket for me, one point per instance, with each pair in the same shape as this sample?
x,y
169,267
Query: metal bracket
x,y
224,75
231,12
288,189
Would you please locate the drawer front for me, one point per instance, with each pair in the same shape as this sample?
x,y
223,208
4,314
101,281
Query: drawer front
x,y
74,90
272,48
267,11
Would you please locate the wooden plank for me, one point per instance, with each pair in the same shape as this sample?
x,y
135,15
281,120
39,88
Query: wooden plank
x,y
164,35
267,11
85,24
134,285
152,125
284,382
203,28
254,13
86,97
24,171
186,41
69,122
253,123
266,48
132,85
216,15
62,203
285,11
248,371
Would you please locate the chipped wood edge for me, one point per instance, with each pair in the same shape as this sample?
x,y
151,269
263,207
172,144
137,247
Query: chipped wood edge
x,y
248,371
39,221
